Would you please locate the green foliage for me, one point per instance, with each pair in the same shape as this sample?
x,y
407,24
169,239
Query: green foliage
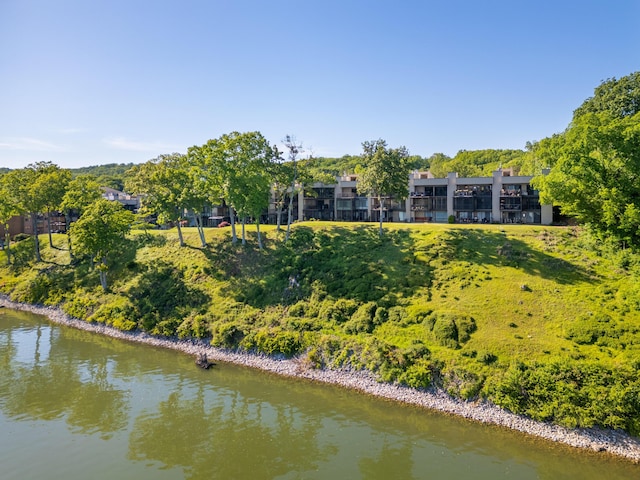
x,y
338,311
162,295
118,313
227,335
572,393
362,321
384,172
451,329
475,163
273,341
618,97
596,162
81,305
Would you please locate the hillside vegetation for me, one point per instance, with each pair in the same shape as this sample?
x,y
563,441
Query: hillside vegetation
x,y
543,321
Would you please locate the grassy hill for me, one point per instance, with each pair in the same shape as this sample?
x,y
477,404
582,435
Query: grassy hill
x,y
541,320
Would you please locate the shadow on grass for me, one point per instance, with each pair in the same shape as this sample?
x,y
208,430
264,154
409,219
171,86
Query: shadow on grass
x,y
355,263
161,294
488,247
341,262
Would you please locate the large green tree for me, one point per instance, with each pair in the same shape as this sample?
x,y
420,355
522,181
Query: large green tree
x,y
595,163
241,163
24,186
51,184
99,231
384,173
81,192
164,185
8,209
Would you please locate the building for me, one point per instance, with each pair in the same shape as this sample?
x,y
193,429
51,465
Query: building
x,y
128,201
501,198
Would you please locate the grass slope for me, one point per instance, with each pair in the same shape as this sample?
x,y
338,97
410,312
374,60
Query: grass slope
x,y
543,321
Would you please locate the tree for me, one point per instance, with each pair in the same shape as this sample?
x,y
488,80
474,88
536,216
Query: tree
x,y
596,175
8,209
164,185
51,184
23,185
385,173
618,97
99,230
204,169
294,149
595,162
283,174
81,192
242,164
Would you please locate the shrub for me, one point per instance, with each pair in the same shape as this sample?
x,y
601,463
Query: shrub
x,y
196,326
118,312
298,309
417,313
446,332
273,341
362,320
417,375
339,311
450,329
21,236
226,335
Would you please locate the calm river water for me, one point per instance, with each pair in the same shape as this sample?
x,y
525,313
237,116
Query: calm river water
x,y
75,405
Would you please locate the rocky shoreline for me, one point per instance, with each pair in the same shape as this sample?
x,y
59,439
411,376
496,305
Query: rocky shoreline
x,y
613,442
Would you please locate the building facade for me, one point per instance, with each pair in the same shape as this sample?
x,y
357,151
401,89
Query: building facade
x,y
501,198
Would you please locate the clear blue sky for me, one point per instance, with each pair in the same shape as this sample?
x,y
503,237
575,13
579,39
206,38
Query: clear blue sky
x,y
115,81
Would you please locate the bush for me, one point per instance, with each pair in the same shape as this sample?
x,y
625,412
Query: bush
x,y
226,335
450,329
446,332
417,375
273,341
338,311
196,326
118,313
414,313
362,320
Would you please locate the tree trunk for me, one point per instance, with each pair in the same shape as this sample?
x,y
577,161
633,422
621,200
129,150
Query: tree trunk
x,y
103,274
279,217
244,238
180,237
34,225
232,217
49,228
381,210
67,217
203,242
259,237
7,243
290,213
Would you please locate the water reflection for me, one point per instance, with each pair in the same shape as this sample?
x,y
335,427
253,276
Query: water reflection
x,y
155,414
58,385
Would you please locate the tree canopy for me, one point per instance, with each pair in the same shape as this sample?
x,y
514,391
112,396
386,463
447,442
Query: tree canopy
x,y
385,172
595,163
99,231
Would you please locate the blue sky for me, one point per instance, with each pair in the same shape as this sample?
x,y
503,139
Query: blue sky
x,y
116,81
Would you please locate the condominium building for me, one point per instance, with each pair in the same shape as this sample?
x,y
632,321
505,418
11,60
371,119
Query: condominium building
x,y
501,198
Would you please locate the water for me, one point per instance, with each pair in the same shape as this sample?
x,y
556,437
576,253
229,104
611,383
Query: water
x,y
75,405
